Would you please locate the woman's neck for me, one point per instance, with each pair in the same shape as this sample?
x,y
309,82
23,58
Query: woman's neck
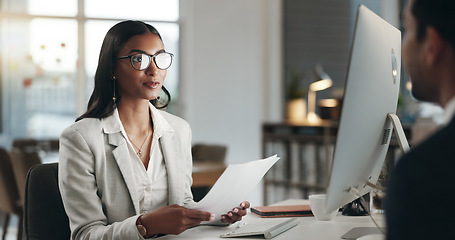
x,y
137,122
135,117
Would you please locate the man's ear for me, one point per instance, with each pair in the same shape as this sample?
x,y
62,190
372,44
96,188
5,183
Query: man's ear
x,y
435,46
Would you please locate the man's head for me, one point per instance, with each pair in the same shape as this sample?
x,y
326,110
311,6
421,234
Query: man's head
x,y
439,14
429,47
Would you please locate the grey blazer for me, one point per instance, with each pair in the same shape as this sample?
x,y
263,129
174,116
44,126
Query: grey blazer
x,y
97,181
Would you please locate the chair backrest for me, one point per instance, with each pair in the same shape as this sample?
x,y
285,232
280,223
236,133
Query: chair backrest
x,y
9,196
208,153
33,145
44,215
22,161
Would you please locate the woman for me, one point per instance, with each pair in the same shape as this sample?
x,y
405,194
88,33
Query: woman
x,y
125,166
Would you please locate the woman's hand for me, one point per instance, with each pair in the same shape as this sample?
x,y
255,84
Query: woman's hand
x,y
236,214
174,219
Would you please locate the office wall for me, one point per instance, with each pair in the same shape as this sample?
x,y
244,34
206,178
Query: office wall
x,y
232,69
232,66
231,73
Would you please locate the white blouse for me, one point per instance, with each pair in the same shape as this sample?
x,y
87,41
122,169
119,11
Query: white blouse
x,y
151,183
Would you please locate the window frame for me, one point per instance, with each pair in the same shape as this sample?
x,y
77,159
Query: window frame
x,y
82,81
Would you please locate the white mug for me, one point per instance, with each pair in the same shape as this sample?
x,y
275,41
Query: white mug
x,y
318,207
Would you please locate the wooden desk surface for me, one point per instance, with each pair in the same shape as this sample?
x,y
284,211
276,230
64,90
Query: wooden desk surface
x,y
206,174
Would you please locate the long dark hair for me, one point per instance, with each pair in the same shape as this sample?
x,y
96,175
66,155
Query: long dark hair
x,y
101,102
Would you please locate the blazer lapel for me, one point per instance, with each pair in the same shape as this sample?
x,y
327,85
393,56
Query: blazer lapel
x,y
112,129
171,154
122,157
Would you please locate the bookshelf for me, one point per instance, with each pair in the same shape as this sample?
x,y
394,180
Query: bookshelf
x,y
305,153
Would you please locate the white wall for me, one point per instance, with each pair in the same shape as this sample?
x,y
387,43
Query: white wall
x,y
231,72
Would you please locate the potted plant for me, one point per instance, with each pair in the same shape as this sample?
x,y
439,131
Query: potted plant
x,y
296,104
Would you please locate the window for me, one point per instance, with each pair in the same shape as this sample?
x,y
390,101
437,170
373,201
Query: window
x,y
49,53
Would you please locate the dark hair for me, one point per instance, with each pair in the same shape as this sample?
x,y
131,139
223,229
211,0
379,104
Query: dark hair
x,y
101,102
439,14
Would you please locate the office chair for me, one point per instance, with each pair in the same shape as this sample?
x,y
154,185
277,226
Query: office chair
x,y
44,215
22,161
9,196
33,145
209,153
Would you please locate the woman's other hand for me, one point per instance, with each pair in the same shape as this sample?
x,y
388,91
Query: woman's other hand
x,y
236,214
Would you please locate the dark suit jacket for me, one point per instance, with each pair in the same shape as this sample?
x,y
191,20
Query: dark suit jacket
x,y
420,199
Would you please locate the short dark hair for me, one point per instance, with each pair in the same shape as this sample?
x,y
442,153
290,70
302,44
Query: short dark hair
x,y
439,14
101,102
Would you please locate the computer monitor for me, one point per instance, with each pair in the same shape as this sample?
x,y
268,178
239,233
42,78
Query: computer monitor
x,y
371,92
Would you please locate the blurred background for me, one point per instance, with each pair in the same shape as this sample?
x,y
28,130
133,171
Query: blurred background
x,y
235,69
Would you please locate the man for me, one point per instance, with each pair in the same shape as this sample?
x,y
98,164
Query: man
x,y
420,203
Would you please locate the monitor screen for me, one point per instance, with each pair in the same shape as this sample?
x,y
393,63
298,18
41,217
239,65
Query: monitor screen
x,y
371,92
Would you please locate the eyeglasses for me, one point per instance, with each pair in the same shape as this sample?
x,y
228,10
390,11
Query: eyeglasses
x,y
141,61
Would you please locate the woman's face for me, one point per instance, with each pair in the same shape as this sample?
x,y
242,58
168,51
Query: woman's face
x,y
134,84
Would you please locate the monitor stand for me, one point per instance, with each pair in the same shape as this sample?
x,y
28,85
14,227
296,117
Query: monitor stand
x,y
402,141
404,146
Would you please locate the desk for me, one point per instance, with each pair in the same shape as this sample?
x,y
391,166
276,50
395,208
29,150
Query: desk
x,y
308,228
206,174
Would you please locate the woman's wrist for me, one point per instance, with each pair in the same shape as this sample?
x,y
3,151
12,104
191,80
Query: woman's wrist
x,y
143,230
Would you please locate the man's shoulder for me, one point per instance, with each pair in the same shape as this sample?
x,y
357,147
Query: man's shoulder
x,y
431,157
441,142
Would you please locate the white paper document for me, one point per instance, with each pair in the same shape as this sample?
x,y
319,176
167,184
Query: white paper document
x,y
234,186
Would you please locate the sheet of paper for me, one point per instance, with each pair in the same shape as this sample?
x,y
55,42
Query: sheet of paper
x,y
234,186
